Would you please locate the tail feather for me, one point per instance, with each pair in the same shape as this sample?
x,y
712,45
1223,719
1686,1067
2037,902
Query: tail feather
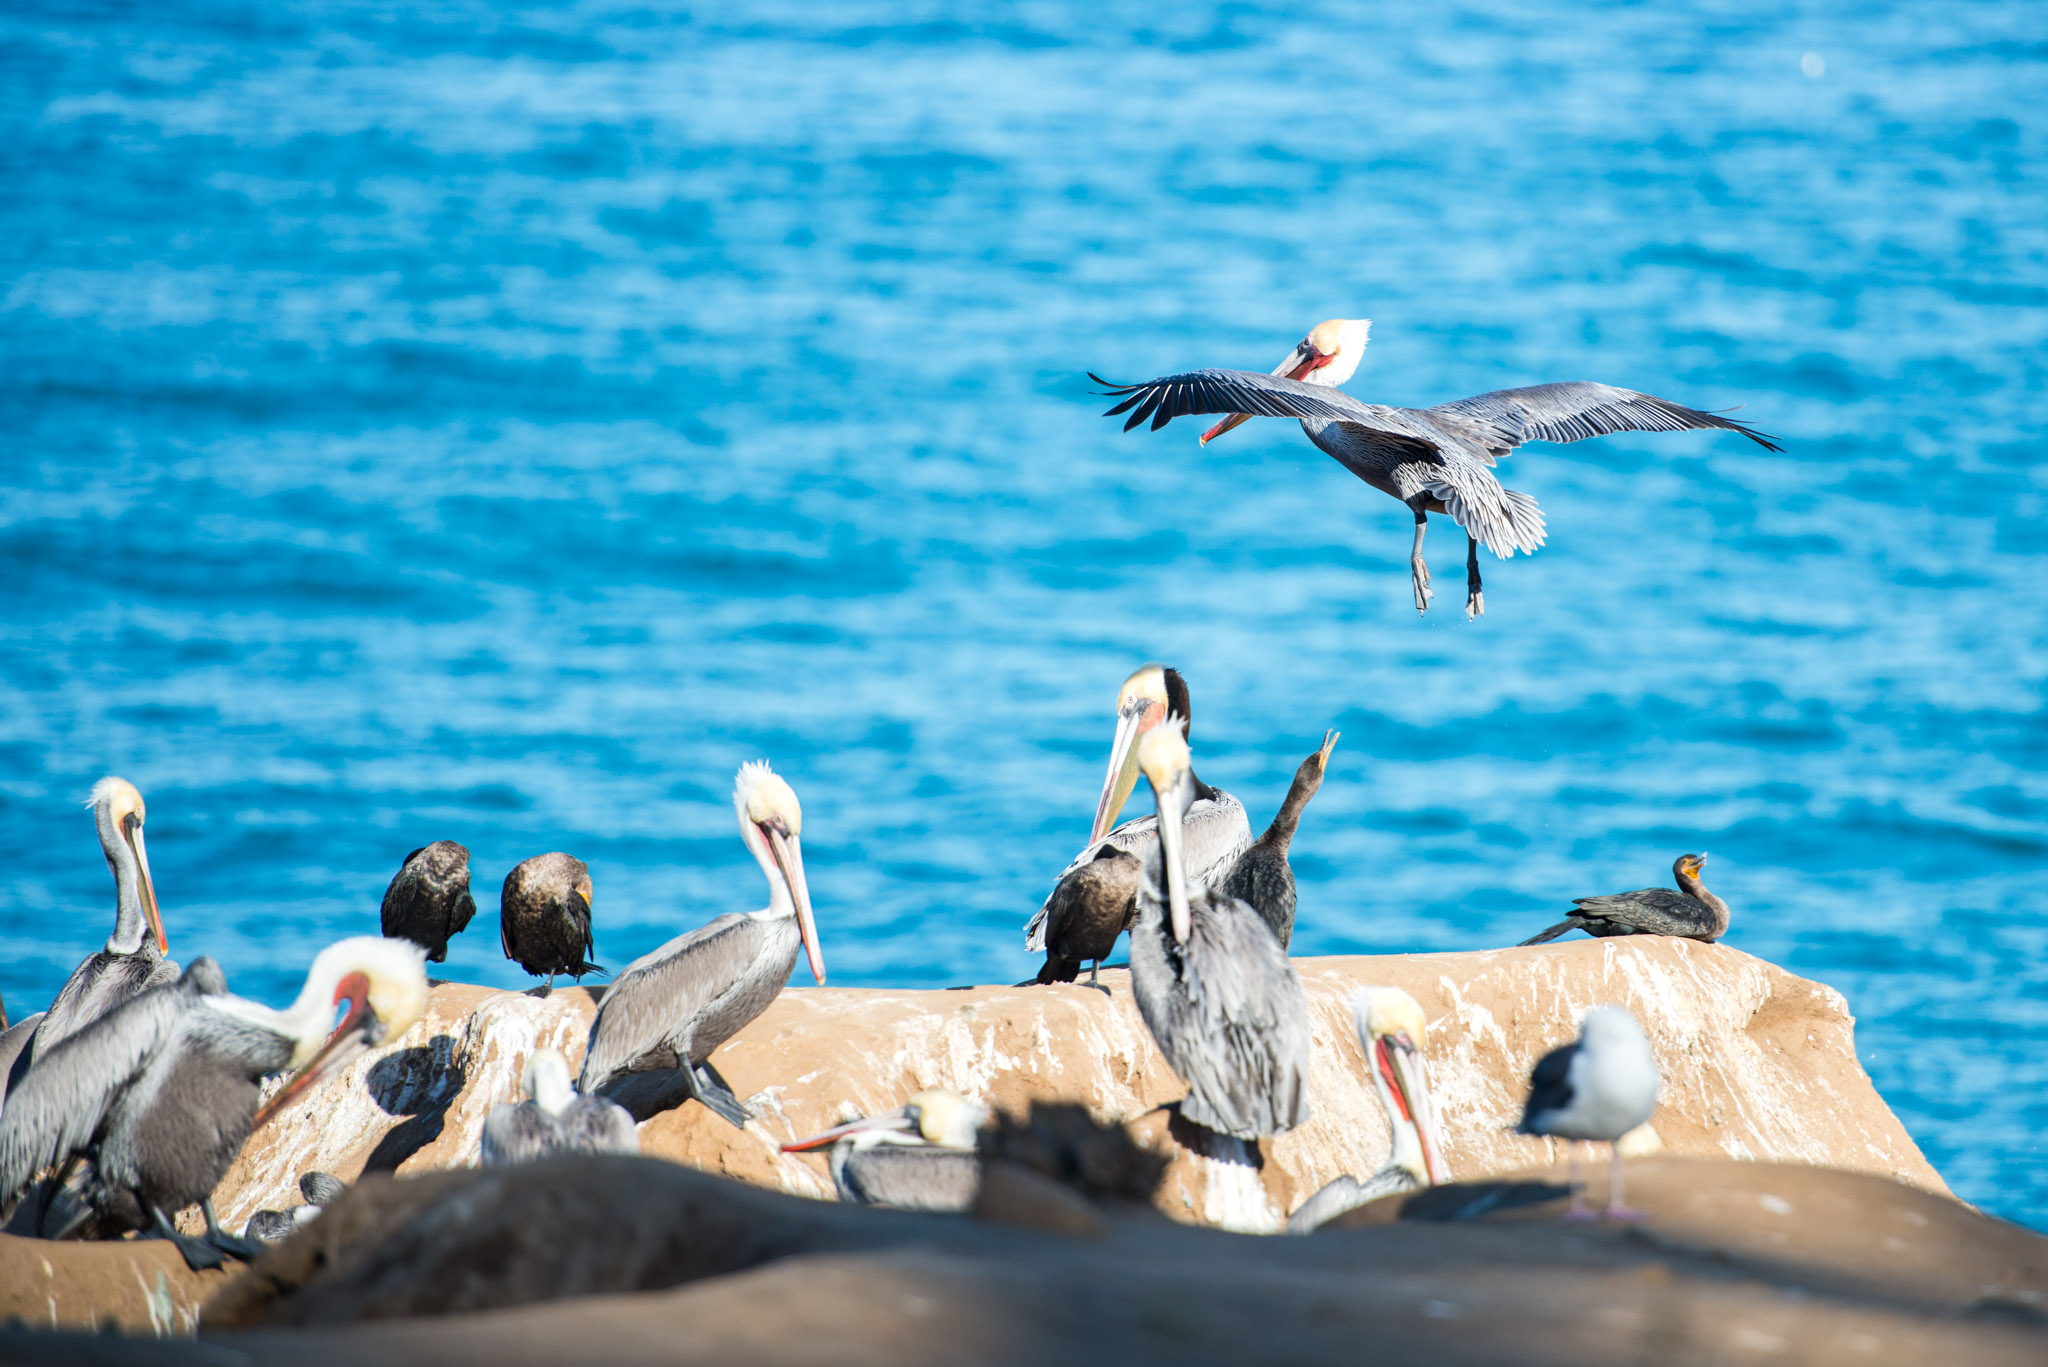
x,y
1059,970
1569,923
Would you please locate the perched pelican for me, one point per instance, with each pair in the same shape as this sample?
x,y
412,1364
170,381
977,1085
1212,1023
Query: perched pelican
x,y
160,1094
134,955
13,1040
554,1120
544,917
1096,897
1692,912
920,1156
672,1007
1601,1086
428,901
1212,983
1435,460
321,1190
1393,1032
1262,878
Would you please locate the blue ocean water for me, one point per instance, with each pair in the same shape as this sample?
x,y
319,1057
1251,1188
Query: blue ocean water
x,y
497,422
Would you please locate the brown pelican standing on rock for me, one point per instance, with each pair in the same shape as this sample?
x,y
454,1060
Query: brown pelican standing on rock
x,y
1601,1086
1435,460
428,900
1392,1030
1095,899
1262,878
920,1156
670,1008
544,917
159,1095
133,958
1213,985
321,1190
553,1119
1692,912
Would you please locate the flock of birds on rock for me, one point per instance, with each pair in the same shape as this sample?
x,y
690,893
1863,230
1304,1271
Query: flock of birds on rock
x,y
124,1104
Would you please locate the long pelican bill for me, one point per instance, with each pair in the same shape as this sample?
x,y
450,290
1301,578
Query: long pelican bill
x,y
1400,1063
348,1040
148,886
1170,814
897,1121
789,857
1133,720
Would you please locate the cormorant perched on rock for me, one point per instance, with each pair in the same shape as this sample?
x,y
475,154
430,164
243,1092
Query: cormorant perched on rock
x,y
428,901
544,917
1693,914
1262,877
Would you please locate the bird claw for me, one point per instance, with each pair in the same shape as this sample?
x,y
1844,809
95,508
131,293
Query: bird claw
x,y
1475,605
1423,592
1626,1214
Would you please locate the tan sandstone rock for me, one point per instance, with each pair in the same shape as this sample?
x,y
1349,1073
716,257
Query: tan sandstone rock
x,y
1757,1063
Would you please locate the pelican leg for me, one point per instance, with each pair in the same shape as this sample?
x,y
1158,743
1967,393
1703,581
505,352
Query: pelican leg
x,y
720,1099
1615,1209
246,1249
1475,601
1418,571
199,1254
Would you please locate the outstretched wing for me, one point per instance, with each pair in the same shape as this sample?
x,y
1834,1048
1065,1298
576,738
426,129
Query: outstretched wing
x,y
1261,396
1574,410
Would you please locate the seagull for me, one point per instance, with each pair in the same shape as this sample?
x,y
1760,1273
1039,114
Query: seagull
x,y
1600,1087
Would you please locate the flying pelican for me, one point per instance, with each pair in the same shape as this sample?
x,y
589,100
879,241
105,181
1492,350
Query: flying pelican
x,y
1601,1086
428,900
554,1120
321,1190
1212,983
1096,897
673,1006
1262,878
1692,912
544,917
1393,1032
1435,460
133,958
160,1094
920,1156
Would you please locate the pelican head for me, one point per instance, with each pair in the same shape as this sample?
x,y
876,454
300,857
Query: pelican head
x,y
384,983
118,812
938,1117
1328,355
1164,759
772,823
1152,691
546,1078
1393,1031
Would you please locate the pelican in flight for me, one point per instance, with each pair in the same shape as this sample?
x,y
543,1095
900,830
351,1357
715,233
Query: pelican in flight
x,y
1435,460
1393,1032
160,1094
1691,913
1096,897
672,1007
921,1156
1213,985
554,1120
133,958
1262,878
1601,1086
429,900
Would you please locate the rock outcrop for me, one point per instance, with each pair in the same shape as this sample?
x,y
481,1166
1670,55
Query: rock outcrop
x,y
1757,1064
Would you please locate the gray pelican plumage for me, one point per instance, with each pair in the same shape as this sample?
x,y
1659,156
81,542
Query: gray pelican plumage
x,y
553,1119
1599,1087
670,1008
1095,899
320,1190
1212,984
429,900
1393,1032
159,1095
133,958
544,917
1435,460
1691,912
1262,878
921,1156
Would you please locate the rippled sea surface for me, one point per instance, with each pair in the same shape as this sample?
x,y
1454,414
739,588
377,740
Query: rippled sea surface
x,y
498,422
